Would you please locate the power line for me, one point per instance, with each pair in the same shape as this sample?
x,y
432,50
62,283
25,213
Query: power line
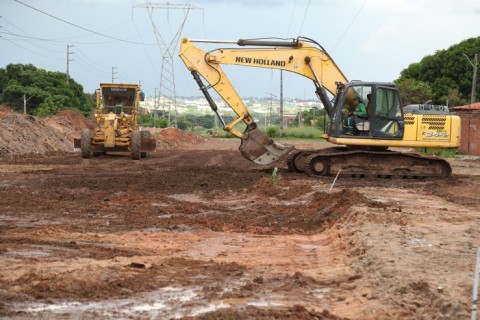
x,y
104,75
52,40
20,29
29,42
75,25
90,62
304,17
145,49
38,54
349,25
291,19
125,77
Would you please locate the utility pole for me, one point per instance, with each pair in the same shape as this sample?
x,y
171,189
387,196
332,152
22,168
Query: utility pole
x,y
154,107
271,107
281,103
113,74
474,78
68,60
25,102
472,97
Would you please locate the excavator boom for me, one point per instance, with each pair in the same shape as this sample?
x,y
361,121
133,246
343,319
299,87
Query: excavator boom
x,y
289,55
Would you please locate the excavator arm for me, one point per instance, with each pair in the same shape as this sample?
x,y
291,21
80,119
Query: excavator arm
x,y
290,55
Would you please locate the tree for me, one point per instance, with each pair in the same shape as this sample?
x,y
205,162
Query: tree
x,y
205,121
183,124
311,118
51,105
47,92
453,98
414,91
447,72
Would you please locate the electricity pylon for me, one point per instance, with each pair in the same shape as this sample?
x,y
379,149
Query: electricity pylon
x,y
167,93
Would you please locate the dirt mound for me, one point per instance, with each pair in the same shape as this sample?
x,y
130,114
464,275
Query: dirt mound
x,y
172,138
270,212
250,312
23,135
76,119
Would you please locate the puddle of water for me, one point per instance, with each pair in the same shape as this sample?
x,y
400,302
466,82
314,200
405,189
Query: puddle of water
x,y
307,246
40,251
211,307
265,304
419,242
55,307
12,168
25,219
33,254
237,300
187,197
158,204
168,302
149,306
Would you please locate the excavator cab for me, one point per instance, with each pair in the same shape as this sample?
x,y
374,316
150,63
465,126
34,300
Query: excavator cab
x,y
384,114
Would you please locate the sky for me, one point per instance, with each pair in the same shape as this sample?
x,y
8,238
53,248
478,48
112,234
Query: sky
x,y
133,41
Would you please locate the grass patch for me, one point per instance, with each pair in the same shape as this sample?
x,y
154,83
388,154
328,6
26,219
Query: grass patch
x,y
273,132
294,132
443,153
302,133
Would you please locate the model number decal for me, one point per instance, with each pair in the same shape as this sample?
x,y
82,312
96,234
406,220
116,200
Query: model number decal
x,y
435,134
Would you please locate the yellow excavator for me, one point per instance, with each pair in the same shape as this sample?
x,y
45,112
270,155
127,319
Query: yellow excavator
x,y
363,148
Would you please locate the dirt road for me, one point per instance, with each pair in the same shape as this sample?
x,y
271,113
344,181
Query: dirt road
x,y
197,232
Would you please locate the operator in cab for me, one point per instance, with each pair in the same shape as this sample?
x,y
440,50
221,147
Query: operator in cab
x,y
359,110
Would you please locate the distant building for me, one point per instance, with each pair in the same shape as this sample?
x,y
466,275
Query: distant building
x,y
470,132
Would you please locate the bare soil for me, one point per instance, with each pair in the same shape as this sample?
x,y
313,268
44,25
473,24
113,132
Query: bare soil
x,y
198,232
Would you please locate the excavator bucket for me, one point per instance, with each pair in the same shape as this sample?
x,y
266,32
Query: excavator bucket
x,y
256,146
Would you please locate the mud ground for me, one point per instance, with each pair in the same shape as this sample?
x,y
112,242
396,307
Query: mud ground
x,y
198,232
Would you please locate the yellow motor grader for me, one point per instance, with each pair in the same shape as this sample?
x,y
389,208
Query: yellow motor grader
x,y
117,130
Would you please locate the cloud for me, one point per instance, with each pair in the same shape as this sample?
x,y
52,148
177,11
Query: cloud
x,y
376,38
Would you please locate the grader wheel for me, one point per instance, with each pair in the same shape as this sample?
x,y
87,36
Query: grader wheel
x,y
86,144
136,145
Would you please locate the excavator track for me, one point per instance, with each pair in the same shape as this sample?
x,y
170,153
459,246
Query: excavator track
x,y
372,164
296,159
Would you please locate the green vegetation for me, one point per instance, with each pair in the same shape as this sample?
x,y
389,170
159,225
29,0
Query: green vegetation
x,y
146,120
272,131
45,92
276,176
295,133
443,153
445,75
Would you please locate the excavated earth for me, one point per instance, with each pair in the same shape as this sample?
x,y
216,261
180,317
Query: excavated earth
x,y
198,232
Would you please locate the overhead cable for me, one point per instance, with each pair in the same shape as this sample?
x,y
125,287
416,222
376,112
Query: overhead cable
x,y
77,26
